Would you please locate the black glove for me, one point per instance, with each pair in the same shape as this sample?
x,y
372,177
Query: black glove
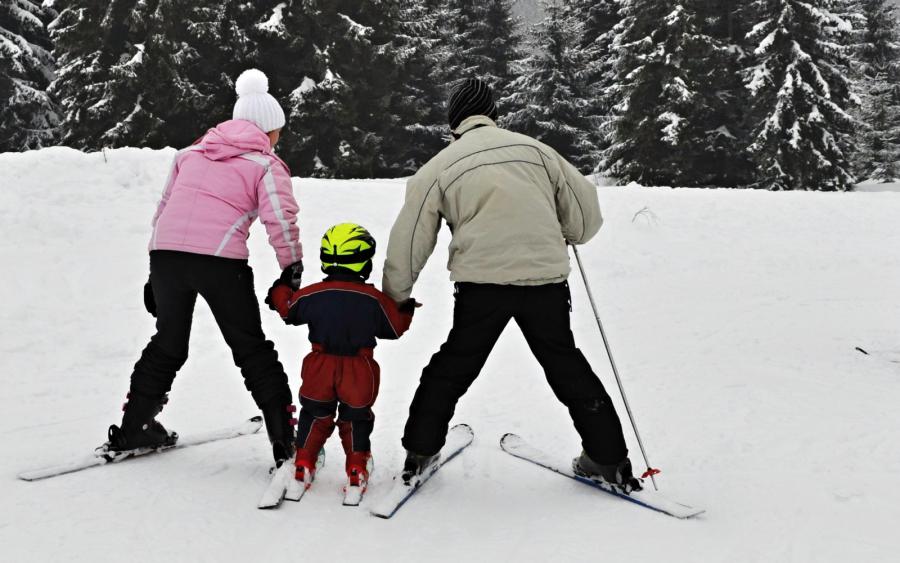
x,y
409,306
290,277
149,300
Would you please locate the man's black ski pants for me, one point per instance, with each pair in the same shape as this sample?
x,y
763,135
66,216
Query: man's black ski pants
x,y
542,312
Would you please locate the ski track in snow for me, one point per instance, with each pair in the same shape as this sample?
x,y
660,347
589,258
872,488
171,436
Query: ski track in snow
x,y
733,317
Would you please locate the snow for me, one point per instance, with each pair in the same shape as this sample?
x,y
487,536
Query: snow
x,y
870,186
767,42
306,85
733,316
358,30
671,131
274,23
138,57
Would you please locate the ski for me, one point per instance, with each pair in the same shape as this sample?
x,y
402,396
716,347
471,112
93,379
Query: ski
x,y
282,478
353,494
458,438
104,456
515,445
284,486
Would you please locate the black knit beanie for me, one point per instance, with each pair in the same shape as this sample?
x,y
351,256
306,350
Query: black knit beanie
x,y
470,97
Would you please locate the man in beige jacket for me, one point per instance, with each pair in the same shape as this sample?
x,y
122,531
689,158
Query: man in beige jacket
x,y
512,204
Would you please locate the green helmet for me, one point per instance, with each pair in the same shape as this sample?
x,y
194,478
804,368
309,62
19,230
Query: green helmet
x,y
347,248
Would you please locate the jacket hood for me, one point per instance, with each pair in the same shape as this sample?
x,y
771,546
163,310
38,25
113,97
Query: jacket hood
x,y
234,137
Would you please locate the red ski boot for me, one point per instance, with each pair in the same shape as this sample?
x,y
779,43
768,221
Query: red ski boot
x,y
305,462
359,465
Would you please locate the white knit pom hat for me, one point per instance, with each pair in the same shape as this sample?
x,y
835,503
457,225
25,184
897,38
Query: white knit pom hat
x,y
254,102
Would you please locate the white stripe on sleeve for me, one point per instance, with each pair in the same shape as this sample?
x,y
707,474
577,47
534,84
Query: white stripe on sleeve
x,y
272,191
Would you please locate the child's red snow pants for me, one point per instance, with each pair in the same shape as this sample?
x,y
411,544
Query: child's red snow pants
x,y
346,385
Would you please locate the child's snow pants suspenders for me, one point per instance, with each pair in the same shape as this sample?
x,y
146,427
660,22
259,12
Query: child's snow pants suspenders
x,y
346,385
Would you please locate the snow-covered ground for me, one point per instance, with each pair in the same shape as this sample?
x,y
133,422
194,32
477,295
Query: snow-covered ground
x,y
733,316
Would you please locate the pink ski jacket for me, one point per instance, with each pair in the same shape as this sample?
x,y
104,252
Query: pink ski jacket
x,y
218,187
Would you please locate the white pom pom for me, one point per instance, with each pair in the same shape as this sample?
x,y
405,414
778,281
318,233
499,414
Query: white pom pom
x,y
251,81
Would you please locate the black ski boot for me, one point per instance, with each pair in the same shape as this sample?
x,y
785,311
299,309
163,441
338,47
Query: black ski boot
x,y
618,475
280,421
140,429
416,465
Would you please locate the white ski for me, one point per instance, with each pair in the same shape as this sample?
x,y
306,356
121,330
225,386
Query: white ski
x,y
353,494
282,478
458,438
283,486
104,456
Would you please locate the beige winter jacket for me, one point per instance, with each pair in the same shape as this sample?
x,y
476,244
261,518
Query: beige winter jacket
x,y
511,203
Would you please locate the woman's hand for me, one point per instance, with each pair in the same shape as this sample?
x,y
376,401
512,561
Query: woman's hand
x,y
290,277
149,300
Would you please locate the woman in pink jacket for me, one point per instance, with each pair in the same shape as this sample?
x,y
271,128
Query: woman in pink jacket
x,y
216,189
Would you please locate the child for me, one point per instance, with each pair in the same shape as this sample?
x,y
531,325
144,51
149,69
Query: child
x,y
344,315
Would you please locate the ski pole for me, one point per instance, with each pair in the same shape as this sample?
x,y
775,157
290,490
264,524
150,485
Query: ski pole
x,y
612,362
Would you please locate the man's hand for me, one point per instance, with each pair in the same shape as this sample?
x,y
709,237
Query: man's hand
x,y
409,306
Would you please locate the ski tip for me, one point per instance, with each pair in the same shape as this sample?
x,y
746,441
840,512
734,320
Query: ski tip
x,y
383,514
271,502
257,418
463,426
858,349
509,439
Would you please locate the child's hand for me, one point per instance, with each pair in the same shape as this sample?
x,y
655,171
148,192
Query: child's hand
x,y
278,298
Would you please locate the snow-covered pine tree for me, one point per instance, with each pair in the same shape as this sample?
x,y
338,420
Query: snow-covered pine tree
x,y
484,43
878,155
420,97
801,96
158,73
145,89
28,117
218,41
499,42
597,20
723,136
662,116
86,49
341,112
285,33
549,93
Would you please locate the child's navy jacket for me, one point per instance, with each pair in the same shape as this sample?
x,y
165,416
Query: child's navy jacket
x,y
344,314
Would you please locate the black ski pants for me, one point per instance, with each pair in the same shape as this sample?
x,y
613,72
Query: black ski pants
x,y
480,314
227,286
